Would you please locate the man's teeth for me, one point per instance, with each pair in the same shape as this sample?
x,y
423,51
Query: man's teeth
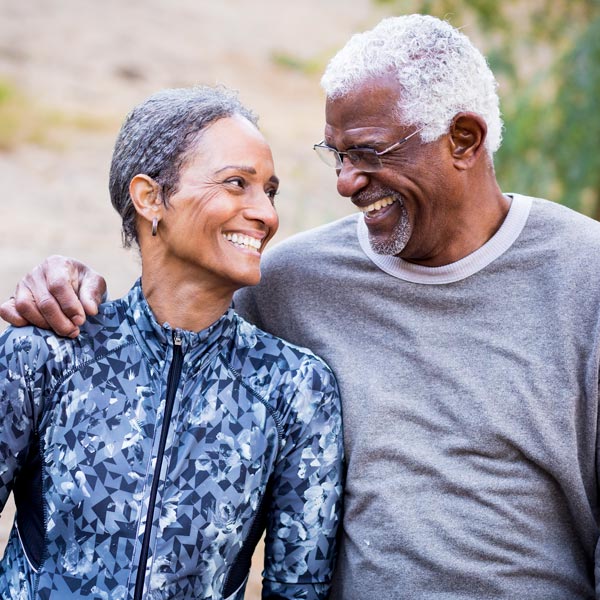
x,y
378,205
243,241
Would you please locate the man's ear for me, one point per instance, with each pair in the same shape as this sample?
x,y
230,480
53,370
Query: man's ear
x,y
467,136
146,197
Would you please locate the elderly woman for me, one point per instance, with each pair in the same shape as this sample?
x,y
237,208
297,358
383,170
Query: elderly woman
x,y
148,455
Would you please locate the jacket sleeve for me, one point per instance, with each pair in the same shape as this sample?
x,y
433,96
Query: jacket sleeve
x,y
20,394
306,495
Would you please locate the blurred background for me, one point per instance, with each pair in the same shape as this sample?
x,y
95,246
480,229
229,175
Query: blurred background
x,y
71,69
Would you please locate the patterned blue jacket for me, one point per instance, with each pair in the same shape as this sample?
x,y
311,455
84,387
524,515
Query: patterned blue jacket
x,y
146,462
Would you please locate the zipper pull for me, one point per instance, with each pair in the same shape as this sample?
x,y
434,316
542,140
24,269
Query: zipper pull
x,y
177,339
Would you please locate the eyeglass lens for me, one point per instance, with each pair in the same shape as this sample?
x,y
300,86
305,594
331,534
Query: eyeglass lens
x,y
364,158
328,155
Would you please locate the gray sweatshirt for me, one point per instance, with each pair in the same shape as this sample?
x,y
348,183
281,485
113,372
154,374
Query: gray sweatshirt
x,y
470,403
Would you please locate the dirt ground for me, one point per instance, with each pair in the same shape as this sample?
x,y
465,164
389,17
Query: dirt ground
x,y
80,65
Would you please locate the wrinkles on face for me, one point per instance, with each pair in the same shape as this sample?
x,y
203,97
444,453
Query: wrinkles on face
x,y
405,158
192,203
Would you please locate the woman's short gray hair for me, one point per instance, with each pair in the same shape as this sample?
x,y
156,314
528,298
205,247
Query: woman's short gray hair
x,y
439,70
156,137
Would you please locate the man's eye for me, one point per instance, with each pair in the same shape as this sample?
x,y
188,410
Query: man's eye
x,y
364,155
272,194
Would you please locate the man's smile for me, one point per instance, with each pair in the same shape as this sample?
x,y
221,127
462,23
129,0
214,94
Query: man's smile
x,y
378,205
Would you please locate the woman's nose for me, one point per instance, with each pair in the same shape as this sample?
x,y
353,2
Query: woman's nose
x,y
262,209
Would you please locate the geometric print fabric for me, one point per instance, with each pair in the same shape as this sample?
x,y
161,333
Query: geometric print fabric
x,y
255,424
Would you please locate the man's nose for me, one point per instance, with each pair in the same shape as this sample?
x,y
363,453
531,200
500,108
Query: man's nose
x,y
350,179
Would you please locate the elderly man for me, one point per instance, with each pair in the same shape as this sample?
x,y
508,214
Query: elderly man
x,y
463,325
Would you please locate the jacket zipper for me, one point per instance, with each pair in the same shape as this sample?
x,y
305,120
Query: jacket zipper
x,y
172,383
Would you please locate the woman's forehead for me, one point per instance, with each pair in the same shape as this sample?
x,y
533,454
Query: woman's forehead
x,y
230,137
232,142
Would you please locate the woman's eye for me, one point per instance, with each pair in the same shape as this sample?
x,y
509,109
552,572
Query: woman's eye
x,y
272,194
237,181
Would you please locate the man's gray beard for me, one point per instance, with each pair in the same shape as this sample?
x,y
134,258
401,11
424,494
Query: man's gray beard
x,y
397,240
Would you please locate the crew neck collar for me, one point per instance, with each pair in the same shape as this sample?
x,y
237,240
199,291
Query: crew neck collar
x,y
499,243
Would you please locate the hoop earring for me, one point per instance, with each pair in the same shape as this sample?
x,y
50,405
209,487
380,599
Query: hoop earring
x,y
154,226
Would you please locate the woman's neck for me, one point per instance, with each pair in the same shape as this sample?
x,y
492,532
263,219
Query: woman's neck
x,y
183,302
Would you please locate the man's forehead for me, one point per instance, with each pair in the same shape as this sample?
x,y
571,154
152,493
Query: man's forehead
x,y
356,134
361,123
369,88
371,103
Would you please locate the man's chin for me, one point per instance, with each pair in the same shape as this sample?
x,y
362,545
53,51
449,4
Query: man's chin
x,y
387,246
390,243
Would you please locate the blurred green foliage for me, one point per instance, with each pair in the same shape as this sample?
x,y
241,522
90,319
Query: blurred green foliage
x,y
22,121
291,62
546,55
12,118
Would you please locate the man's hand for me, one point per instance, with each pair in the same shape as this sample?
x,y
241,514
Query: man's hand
x,y
57,295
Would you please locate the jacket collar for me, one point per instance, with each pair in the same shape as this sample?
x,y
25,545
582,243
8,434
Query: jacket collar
x,y
157,340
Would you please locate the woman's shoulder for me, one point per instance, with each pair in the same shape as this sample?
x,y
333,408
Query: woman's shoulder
x,y
39,350
32,344
34,358
293,379
257,344
110,317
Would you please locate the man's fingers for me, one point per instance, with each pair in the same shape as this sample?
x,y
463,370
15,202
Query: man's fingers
x,y
48,296
25,305
36,304
9,313
57,294
92,290
59,276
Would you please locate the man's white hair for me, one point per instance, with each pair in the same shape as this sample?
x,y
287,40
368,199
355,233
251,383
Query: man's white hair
x,y
439,70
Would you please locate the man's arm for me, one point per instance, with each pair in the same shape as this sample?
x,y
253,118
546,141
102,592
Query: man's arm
x,y
57,295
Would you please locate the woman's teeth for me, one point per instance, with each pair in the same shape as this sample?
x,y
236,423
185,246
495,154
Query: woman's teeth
x,y
378,205
243,241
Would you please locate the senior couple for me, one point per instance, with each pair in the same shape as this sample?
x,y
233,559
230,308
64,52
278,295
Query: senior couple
x,y
150,449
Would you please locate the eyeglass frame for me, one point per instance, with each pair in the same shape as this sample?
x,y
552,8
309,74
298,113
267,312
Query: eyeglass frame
x,y
339,156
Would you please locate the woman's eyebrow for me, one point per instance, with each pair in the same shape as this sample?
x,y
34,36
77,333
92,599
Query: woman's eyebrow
x,y
246,169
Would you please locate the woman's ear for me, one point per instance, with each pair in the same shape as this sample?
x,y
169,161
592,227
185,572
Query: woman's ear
x,y
467,136
146,197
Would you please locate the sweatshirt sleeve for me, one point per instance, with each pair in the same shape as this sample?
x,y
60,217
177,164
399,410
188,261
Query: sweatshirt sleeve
x,y
305,510
246,305
21,382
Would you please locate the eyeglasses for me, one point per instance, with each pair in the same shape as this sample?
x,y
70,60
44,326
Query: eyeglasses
x,y
364,159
